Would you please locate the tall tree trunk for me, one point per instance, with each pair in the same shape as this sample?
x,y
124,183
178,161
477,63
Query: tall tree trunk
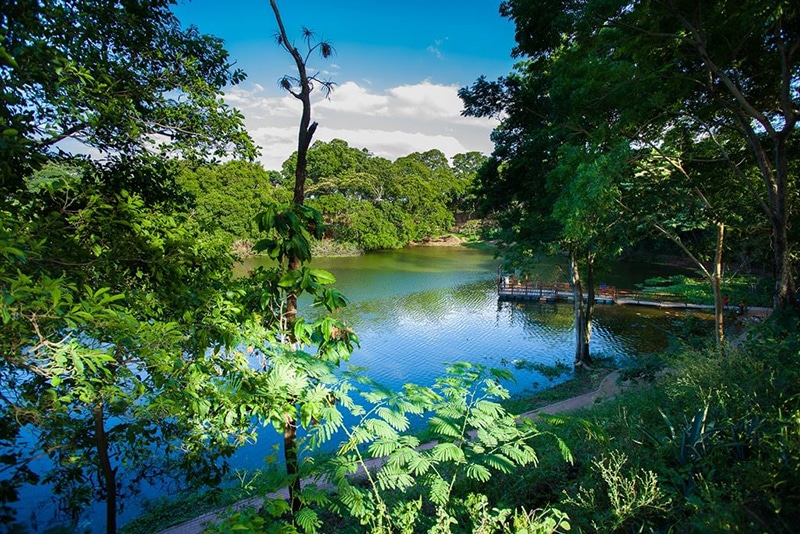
x,y
777,210
771,157
785,288
292,462
716,281
714,278
304,136
107,473
583,323
589,310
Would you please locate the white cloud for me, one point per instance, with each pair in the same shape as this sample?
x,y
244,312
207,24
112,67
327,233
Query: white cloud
x,y
349,97
427,100
392,144
390,124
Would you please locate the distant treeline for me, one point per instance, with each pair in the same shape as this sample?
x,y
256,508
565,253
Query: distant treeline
x,y
368,202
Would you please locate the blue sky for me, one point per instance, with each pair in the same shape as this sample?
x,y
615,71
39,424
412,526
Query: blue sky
x,y
398,67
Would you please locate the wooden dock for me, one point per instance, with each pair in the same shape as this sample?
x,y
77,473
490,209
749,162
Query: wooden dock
x,y
509,289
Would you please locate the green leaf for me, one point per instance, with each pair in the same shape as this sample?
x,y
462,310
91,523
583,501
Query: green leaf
x,y
478,472
445,427
308,520
322,276
77,363
290,279
448,452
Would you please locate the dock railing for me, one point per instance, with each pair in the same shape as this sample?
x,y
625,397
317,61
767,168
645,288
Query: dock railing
x,y
509,288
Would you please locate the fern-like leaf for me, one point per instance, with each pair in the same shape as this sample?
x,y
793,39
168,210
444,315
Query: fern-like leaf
x,y
392,479
382,447
398,421
439,491
380,429
478,472
447,452
308,520
499,462
419,465
445,427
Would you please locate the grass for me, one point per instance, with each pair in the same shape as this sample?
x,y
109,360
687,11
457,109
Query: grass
x,y
752,290
581,383
176,509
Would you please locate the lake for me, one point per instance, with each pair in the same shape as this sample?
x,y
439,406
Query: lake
x,y
417,309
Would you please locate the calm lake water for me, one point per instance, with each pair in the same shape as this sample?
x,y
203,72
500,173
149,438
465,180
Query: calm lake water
x,y
417,309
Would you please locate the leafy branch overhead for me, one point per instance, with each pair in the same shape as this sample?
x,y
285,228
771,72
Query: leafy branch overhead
x,y
123,80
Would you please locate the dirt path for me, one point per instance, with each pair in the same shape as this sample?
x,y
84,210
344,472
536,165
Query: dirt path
x,y
609,387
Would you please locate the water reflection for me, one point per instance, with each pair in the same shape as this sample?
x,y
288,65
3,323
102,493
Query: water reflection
x,y
417,309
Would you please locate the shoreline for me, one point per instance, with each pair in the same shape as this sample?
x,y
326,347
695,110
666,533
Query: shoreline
x,y
609,386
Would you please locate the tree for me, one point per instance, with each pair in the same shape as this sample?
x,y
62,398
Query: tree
x,y
542,185
110,298
422,184
574,90
123,79
298,379
708,207
743,89
109,309
226,197
465,169
301,87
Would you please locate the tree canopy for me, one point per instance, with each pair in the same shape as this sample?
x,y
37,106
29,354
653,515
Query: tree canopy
x,y
664,83
622,119
122,79
112,293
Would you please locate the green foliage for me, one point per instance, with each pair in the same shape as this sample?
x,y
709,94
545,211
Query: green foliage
x,y
111,298
59,81
697,450
227,197
486,521
290,228
475,438
166,511
378,204
751,290
631,497
108,357
681,158
366,202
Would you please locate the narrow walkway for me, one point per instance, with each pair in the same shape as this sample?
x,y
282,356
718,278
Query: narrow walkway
x,y
608,388
511,290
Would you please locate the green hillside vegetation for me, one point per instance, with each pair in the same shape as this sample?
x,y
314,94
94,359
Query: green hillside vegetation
x,y
367,202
